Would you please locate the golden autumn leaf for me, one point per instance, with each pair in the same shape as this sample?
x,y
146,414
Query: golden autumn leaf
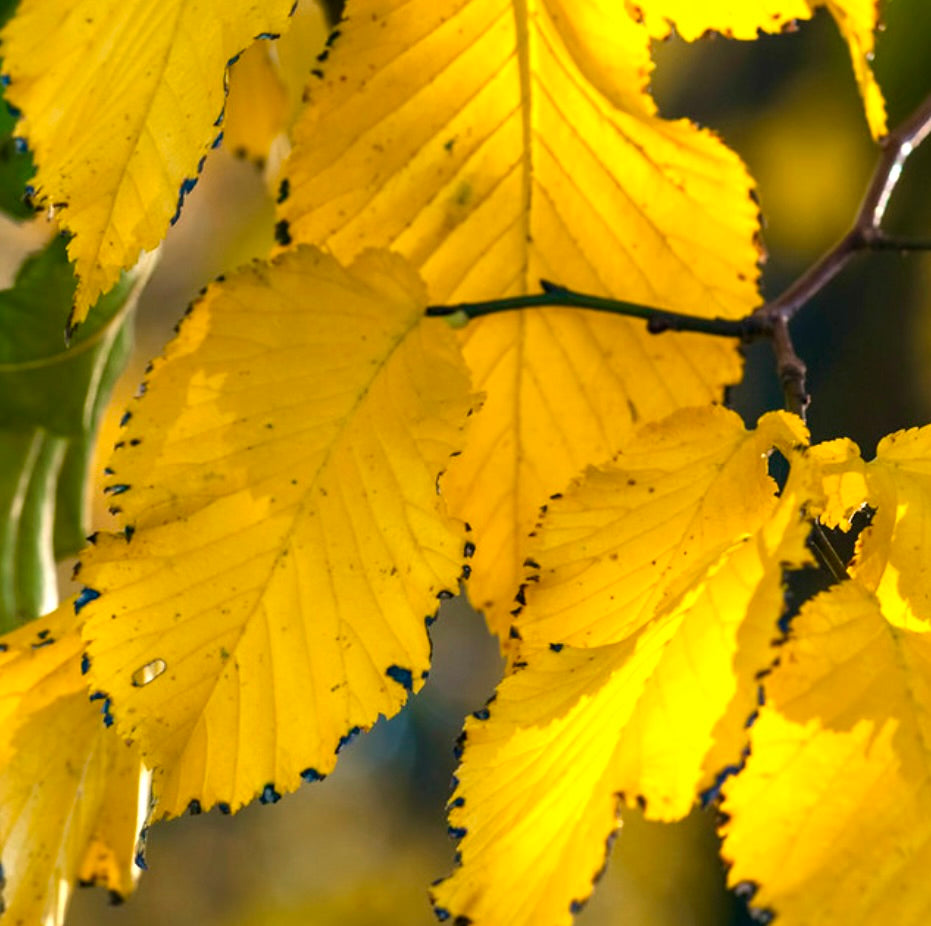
x,y
284,538
121,104
73,796
657,710
266,87
897,485
857,21
628,537
829,820
497,142
257,107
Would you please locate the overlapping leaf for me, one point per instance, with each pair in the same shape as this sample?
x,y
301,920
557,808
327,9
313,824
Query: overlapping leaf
x,y
661,706
830,816
826,818
72,794
121,101
856,19
267,83
284,536
497,142
629,537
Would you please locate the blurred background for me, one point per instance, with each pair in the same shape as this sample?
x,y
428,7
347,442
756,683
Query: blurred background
x,y
362,847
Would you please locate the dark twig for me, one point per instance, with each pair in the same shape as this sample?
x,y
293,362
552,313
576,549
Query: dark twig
x,y
866,232
658,320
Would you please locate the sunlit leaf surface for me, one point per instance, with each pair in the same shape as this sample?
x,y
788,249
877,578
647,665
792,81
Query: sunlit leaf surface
x,y
652,716
72,794
628,538
285,539
121,102
498,142
830,818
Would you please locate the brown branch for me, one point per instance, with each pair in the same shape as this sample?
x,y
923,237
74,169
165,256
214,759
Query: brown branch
x,y
866,232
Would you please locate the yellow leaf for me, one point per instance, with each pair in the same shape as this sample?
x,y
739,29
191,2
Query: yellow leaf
x,y
830,816
257,108
73,796
266,87
857,20
897,484
121,101
628,537
284,539
654,715
500,141
743,20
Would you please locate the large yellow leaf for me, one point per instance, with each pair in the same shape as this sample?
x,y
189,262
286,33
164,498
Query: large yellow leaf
x,y
831,817
496,142
284,539
72,795
856,19
121,101
653,716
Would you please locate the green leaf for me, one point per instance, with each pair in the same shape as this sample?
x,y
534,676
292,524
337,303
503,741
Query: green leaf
x,y
51,400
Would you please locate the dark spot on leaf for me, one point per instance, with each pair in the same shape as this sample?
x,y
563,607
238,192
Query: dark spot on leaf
x,y
86,595
283,233
194,808
482,714
117,489
468,551
284,190
125,419
404,677
455,802
348,738
311,775
466,571
269,795
459,748
445,594
456,832
577,906
556,647
224,808
514,633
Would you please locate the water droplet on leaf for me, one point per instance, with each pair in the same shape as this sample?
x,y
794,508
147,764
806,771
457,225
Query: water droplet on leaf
x,y
149,672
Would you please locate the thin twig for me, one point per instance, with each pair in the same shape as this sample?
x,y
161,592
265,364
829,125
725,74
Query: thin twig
x,y
866,233
658,320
